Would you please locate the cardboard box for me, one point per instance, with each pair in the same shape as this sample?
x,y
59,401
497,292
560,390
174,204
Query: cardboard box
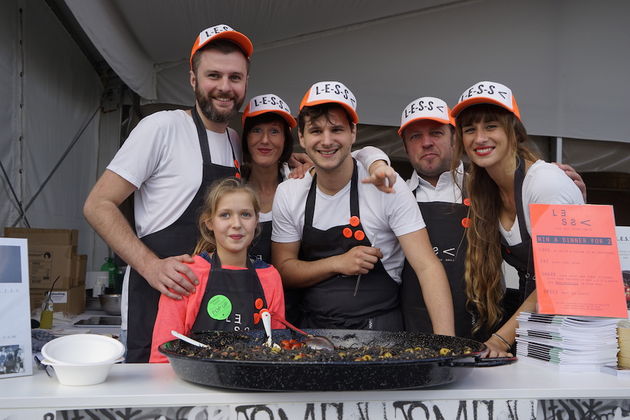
x,y
44,236
79,267
47,262
52,254
70,301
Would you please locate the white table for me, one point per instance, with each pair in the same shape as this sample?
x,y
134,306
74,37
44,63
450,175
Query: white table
x,y
146,385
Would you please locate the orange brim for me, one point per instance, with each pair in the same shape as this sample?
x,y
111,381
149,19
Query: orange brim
x,y
287,117
352,112
483,100
238,38
439,120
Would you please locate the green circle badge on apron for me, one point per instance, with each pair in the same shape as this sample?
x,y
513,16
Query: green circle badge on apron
x,y
219,307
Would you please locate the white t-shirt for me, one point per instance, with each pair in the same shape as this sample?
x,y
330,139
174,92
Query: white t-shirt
x,y
544,183
365,156
384,216
162,159
446,190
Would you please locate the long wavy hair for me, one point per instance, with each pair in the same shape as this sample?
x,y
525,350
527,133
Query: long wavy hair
x,y
207,241
484,286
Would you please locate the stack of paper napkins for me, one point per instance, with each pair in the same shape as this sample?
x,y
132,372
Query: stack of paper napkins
x,y
573,343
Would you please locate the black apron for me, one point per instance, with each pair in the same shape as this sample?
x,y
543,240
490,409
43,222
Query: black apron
x,y
261,250
232,300
261,247
331,303
177,239
519,256
447,233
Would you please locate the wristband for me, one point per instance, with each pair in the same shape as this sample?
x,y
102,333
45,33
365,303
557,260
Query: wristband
x,y
509,346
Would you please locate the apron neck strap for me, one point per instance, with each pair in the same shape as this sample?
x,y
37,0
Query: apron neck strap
x,y
519,176
216,261
354,196
202,135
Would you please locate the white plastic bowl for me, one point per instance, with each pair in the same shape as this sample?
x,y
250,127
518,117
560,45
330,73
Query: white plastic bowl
x,y
82,359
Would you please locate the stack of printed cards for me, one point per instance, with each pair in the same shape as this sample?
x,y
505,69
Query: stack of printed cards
x,y
623,339
572,343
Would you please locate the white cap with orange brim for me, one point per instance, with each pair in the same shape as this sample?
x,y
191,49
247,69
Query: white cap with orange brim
x,y
222,32
269,102
331,92
487,93
425,108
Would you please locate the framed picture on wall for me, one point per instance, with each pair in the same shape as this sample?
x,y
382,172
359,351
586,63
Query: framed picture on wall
x,y
15,336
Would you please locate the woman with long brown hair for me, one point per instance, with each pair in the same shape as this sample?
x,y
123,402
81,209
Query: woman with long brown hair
x,y
503,179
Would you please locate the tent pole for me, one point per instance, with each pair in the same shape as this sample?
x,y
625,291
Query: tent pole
x,y
15,197
559,149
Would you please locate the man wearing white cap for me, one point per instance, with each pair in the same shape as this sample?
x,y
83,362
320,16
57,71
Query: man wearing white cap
x,y
343,241
427,132
168,162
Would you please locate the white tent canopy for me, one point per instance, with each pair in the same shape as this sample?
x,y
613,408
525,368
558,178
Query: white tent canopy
x,y
567,61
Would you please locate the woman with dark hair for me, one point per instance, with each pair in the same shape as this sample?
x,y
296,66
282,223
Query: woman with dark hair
x,y
503,179
267,146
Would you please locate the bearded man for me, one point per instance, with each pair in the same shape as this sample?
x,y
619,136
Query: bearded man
x,y
167,162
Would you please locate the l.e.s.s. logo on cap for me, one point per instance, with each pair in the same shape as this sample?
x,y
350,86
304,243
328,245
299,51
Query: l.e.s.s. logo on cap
x,y
500,93
210,32
327,88
423,105
273,100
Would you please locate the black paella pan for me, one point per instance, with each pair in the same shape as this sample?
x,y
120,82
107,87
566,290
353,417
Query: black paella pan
x,y
284,374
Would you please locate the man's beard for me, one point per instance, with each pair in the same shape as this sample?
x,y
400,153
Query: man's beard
x,y
209,111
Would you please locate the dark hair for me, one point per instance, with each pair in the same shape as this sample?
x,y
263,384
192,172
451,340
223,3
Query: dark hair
x,y
267,117
316,111
224,46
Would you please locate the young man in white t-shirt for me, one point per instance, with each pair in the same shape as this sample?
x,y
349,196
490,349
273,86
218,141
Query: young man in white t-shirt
x,y
343,242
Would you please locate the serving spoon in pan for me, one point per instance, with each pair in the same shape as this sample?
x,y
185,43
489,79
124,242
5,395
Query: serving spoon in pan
x,y
266,320
315,342
188,339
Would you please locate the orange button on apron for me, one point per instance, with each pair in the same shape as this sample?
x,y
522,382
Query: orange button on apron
x,y
354,221
467,201
466,222
256,318
347,232
258,303
359,235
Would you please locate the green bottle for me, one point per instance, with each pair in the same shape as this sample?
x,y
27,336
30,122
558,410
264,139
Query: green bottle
x,y
112,269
